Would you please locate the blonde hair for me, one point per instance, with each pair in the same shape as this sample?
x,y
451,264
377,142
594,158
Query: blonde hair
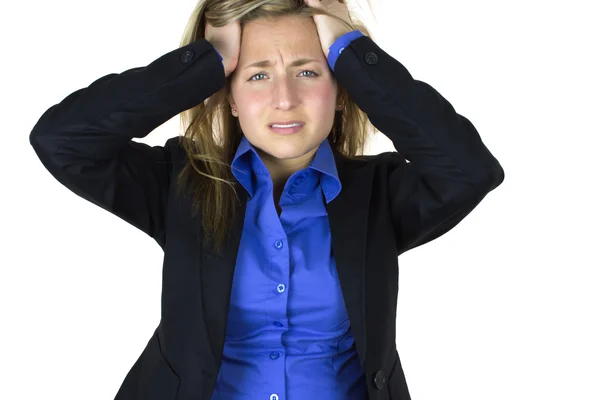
x,y
215,134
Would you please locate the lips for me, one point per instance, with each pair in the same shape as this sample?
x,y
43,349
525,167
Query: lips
x,y
286,123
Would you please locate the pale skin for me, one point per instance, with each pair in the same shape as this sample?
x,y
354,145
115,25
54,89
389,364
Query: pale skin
x,y
282,92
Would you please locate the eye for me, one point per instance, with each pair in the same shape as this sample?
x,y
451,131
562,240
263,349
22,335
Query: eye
x,y
252,78
314,74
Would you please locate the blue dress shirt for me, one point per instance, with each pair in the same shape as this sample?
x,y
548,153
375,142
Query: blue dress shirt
x,y
288,334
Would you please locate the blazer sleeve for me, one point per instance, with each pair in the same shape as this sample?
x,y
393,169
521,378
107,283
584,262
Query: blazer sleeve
x,y
449,169
85,141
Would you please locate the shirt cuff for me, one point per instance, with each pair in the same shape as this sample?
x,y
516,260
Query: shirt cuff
x,y
340,44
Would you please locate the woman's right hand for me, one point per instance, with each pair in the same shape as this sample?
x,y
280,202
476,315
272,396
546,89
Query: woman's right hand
x,y
227,41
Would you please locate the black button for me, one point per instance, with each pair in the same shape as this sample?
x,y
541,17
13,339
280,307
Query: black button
x,y
379,380
371,58
187,56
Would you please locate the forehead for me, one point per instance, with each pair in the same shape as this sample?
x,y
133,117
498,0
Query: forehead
x,y
282,36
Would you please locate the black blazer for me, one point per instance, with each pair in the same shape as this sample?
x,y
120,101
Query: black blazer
x,y
386,207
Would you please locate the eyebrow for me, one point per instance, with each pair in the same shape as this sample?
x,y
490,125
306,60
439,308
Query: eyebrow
x,y
267,63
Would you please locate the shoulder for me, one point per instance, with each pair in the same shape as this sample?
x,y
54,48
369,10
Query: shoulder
x,y
174,146
175,143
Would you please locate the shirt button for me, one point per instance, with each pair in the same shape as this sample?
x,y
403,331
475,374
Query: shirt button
x,y
293,190
340,52
278,244
274,397
274,355
281,288
278,324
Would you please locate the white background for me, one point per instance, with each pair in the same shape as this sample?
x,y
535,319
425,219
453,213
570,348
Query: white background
x,y
505,306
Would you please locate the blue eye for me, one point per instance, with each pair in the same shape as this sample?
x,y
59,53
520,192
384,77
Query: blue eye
x,y
256,75
314,74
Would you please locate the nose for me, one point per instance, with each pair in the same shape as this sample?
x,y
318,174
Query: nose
x,y
285,94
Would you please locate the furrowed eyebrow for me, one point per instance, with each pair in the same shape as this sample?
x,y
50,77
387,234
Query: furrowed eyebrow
x,y
267,63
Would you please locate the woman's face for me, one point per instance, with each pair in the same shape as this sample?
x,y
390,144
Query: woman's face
x,y
282,91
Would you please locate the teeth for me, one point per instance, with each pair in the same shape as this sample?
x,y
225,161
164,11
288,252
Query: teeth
x,y
285,126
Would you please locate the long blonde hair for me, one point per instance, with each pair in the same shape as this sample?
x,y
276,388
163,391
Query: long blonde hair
x,y
215,134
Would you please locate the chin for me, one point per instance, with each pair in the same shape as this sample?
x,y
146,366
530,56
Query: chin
x,y
290,147
287,154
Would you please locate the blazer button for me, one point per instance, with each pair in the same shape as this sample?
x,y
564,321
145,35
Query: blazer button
x,y
371,58
379,380
187,56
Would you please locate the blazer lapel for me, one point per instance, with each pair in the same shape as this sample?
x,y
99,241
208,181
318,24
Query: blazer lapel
x,y
216,274
347,215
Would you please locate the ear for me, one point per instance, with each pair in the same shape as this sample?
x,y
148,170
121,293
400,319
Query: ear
x,y
340,100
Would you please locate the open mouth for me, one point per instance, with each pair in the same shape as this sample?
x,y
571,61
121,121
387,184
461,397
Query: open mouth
x,y
287,128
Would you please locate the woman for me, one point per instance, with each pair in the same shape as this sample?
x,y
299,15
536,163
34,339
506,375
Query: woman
x,y
281,239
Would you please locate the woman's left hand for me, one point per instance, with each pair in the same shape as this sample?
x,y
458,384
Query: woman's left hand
x,y
329,28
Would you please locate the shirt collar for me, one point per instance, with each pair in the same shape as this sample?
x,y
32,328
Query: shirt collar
x,y
250,171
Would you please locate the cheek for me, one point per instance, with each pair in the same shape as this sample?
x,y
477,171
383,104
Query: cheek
x,y
245,99
323,97
252,103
